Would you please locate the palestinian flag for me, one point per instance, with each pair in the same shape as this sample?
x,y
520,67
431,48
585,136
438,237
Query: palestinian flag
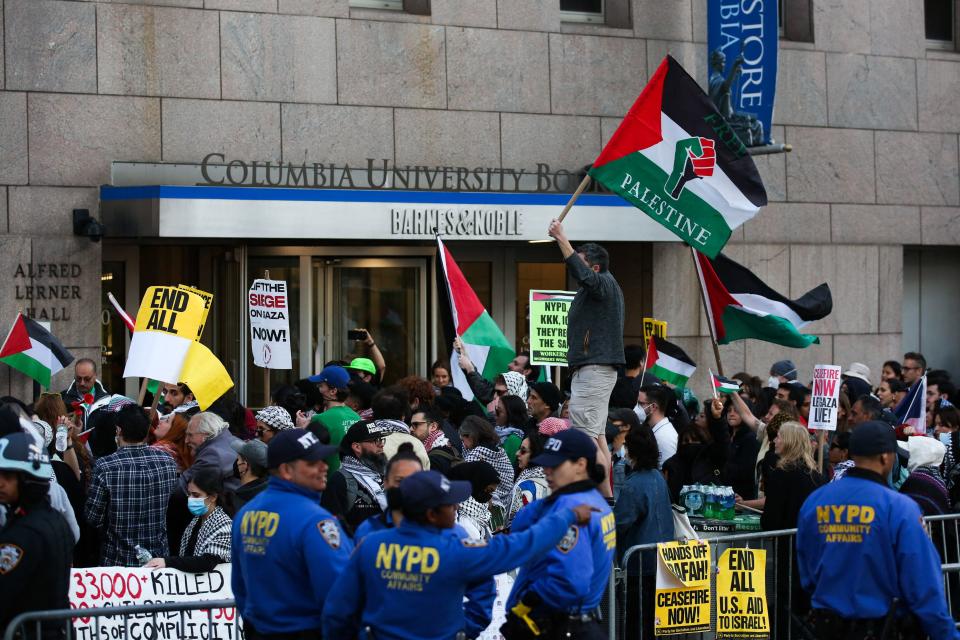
x,y
675,158
724,385
668,362
740,305
486,345
34,351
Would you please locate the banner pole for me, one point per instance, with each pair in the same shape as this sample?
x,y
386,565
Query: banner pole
x,y
821,439
576,194
706,310
643,368
143,391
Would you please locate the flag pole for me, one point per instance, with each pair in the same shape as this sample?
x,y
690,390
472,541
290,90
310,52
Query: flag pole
x,y
713,387
706,309
646,351
576,194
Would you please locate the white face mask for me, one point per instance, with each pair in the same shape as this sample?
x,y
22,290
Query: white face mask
x,y
641,413
773,382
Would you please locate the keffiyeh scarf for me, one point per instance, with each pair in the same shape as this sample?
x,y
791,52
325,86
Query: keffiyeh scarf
x,y
371,480
501,463
517,502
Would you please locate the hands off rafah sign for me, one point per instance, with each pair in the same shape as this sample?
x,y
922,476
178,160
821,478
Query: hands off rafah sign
x,y
269,324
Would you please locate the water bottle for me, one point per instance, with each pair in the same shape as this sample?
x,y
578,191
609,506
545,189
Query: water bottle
x,y
143,556
728,501
693,501
713,502
62,438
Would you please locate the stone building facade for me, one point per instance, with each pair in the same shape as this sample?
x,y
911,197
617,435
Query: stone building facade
x,y
868,200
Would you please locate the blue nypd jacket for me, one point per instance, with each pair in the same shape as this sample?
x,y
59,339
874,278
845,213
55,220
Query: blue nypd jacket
x,y
861,544
572,576
287,551
478,607
409,582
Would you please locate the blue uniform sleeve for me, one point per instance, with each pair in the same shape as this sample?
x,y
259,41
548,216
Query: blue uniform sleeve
x,y
569,566
236,568
326,551
345,601
478,609
526,517
506,552
921,581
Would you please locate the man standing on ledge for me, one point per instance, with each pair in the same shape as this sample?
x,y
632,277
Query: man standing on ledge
x,y
594,340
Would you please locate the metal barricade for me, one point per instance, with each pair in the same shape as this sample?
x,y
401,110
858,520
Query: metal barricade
x,y
945,532
129,616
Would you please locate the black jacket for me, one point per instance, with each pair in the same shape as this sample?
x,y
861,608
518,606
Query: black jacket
x,y
595,318
36,551
738,471
699,464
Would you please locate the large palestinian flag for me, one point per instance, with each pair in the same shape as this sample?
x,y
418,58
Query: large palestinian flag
x,y
486,345
669,362
675,158
740,305
34,351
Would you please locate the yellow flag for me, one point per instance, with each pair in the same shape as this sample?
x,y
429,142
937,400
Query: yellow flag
x,y
205,375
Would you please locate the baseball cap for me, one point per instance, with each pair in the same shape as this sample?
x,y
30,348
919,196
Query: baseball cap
x,y
254,451
275,417
429,489
858,370
784,368
363,431
872,438
296,444
566,445
335,376
363,364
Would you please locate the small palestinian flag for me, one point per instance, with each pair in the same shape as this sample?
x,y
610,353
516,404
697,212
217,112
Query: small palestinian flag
x,y
483,340
668,362
740,305
675,158
724,385
34,351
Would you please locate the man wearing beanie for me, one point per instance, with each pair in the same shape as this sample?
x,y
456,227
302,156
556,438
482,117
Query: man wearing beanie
x,y
858,531
594,340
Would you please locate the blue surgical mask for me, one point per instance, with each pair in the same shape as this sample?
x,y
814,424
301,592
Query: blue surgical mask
x,y
197,506
945,438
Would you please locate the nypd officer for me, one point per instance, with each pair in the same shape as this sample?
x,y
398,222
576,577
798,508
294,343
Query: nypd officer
x,y
557,595
857,531
409,582
287,549
36,545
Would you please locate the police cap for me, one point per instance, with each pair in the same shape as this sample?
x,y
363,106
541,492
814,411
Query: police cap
x,y
290,445
429,489
567,445
872,438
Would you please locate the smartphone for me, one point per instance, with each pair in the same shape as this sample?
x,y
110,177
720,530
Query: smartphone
x,y
356,334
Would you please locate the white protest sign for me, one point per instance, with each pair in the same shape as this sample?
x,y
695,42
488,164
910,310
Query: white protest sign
x,y
825,397
121,586
269,324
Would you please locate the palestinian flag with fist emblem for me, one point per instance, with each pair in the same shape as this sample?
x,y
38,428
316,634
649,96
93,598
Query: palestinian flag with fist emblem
x,y
675,158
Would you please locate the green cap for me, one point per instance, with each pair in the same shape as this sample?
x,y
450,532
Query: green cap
x,y
363,364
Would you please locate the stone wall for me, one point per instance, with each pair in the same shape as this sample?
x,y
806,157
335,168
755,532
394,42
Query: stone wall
x,y
872,115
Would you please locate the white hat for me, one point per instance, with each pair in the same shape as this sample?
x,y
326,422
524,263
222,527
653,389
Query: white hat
x,y
925,452
858,370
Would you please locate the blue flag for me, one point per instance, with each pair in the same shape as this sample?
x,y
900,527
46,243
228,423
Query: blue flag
x,y
912,410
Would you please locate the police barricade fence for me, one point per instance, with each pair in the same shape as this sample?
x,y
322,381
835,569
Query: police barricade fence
x,y
633,580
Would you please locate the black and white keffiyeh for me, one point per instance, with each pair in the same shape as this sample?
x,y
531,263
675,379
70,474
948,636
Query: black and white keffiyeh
x,y
371,479
501,463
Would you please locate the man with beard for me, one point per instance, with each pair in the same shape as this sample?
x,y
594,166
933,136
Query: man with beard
x,y
355,492
652,406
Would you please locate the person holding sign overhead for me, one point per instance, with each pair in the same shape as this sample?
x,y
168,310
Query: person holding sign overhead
x,y
594,340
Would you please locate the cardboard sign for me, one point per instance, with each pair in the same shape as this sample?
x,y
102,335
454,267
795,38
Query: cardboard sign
x,y
207,303
654,327
824,400
742,594
682,603
119,586
167,324
269,324
548,326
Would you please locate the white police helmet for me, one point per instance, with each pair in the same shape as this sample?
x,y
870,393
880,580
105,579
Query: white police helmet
x,y
21,452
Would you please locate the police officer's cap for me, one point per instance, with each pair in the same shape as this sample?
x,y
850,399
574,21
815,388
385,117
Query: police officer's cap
x,y
567,445
290,445
22,452
429,489
872,438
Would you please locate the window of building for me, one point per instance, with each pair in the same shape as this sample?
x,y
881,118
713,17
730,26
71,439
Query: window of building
x,y
417,7
939,22
795,18
610,13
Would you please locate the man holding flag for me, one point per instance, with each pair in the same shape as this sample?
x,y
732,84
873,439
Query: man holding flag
x,y
594,339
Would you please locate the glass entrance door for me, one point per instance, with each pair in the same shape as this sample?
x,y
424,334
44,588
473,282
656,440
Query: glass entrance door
x,y
386,296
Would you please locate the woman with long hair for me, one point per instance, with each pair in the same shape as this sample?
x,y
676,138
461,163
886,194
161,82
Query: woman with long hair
x,y
532,481
51,408
511,415
173,440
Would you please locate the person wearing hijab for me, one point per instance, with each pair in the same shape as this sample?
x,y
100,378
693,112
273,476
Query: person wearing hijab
x,y
473,514
925,484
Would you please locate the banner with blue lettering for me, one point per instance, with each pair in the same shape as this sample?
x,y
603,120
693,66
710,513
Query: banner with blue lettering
x,y
743,38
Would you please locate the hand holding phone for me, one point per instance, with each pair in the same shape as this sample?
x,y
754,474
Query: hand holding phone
x,y
358,335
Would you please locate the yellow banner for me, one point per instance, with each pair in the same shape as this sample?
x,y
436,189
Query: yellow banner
x,y
654,327
172,311
742,594
207,303
205,375
682,603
